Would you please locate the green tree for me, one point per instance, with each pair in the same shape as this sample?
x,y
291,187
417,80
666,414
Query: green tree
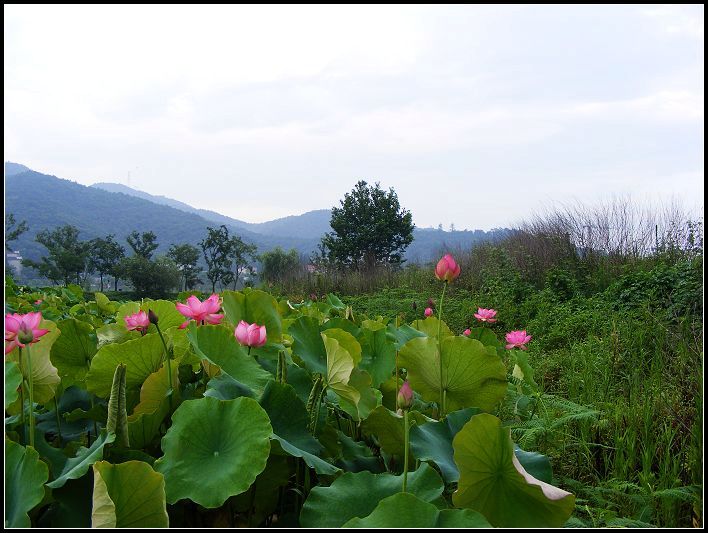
x,y
242,256
13,230
277,264
186,257
152,278
143,245
216,248
369,228
106,255
67,259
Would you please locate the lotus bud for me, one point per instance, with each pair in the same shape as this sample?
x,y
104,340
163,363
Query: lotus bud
x,y
428,311
404,400
447,269
152,317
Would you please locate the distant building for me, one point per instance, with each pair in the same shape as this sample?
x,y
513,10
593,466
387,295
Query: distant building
x,y
14,261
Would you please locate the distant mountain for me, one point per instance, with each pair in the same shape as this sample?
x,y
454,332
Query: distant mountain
x,y
48,202
163,200
109,208
14,168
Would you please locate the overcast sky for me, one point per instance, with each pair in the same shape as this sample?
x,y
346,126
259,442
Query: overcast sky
x,y
474,115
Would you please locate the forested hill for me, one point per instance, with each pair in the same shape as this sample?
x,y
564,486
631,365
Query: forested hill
x,y
48,202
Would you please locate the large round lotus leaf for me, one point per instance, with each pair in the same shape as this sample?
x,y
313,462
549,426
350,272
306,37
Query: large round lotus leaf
x,y
129,494
141,356
433,441
342,323
77,466
13,380
405,510
289,419
25,476
44,375
214,450
73,350
430,326
493,482
254,306
378,352
536,464
357,495
471,375
389,428
104,303
218,345
167,314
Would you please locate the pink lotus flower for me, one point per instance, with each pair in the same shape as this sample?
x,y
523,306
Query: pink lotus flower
x,y
251,335
447,269
486,315
467,332
404,400
201,311
517,339
137,322
428,311
38,302
21,330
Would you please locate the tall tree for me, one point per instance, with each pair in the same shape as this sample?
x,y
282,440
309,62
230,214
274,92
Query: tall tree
x,y
143,245
242,255
216,247
186,257
67,259
151,278
105,258
13,230
277,264
370,228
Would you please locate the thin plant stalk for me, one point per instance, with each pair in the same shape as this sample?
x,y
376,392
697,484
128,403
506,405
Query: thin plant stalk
x,y
169,367
406,430
442,390
31,396
22,399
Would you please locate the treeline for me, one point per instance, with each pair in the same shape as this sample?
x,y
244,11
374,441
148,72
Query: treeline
x,y
220,261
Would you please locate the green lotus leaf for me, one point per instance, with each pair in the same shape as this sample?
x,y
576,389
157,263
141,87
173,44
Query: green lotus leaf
x,y
141,356
430,326
167,314
339,369
308,345
471,375
72,352
493,482
484,335
25,476
13,380
389,429
403,334
218,345
76,467
214,450
72,504
117,420
523,369
44,375
433,441
289,419
357,495
104,303
406,510
254,306
369,398
129,494
114,334
342,323
263,497
347,341
378,354
536,464
145,421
